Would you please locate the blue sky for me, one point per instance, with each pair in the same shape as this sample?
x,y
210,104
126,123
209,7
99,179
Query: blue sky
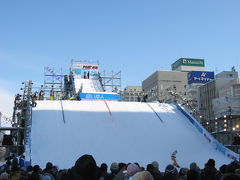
x,y
137,37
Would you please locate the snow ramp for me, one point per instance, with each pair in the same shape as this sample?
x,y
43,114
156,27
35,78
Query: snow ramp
x,y
87,85
119,132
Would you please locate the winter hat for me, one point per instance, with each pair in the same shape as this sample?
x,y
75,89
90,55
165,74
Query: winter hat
x,y
211,163
85,166
114,166
143,175
132,168
193,165
49,166
155,164
36,168
170,169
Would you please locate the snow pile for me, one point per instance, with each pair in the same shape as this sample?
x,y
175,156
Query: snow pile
x,y
116,132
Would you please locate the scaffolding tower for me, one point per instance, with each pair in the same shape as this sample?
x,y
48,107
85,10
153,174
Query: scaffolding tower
x,y
111,81
53,82
18,140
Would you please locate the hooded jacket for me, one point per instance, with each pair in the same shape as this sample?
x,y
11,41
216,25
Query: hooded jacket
x,y
85,168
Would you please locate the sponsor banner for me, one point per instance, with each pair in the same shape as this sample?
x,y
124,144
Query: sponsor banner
x,y
88,67
188,62
200,76
99,96
219,147
199,128
208,138
86,71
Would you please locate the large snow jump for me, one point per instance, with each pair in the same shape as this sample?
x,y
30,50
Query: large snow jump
x,y
116,132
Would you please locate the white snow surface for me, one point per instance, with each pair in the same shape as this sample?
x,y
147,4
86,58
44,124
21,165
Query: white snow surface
x,y
130,133
88,85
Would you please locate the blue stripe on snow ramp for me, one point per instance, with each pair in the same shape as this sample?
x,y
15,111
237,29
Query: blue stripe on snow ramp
x,y
216,144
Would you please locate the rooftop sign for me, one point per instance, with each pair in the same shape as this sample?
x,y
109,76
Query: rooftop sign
x,y
200,77
188,62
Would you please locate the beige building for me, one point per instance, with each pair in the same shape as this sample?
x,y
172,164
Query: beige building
x,y
132,93
226,110
219,106
210,91
161,85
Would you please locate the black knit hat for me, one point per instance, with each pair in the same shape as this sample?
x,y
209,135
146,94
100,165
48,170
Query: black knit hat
x,y
211,163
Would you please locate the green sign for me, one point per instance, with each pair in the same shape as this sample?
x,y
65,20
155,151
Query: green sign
x,y
188,62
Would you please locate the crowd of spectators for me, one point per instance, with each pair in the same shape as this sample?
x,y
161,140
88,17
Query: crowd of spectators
x,y
85,168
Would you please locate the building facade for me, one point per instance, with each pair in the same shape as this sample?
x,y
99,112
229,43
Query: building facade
x,y
132,93
219,107
164,85
226,110
195,80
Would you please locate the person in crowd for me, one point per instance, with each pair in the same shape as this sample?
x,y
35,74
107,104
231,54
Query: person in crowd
x,y
143,175
56,173
210,172
121,168
48,172
5,167
114,170
103,169
35,175
156,172
183,173
22,164
29,170
62,173
171,173
236,164
131,170
16,173
230,173
85,168
223,169
150,169
194,172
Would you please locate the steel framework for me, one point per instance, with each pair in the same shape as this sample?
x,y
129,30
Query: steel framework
x,y
53,82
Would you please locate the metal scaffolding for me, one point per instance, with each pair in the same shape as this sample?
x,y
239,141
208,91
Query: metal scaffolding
x,y
111,81
53,83
17,140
